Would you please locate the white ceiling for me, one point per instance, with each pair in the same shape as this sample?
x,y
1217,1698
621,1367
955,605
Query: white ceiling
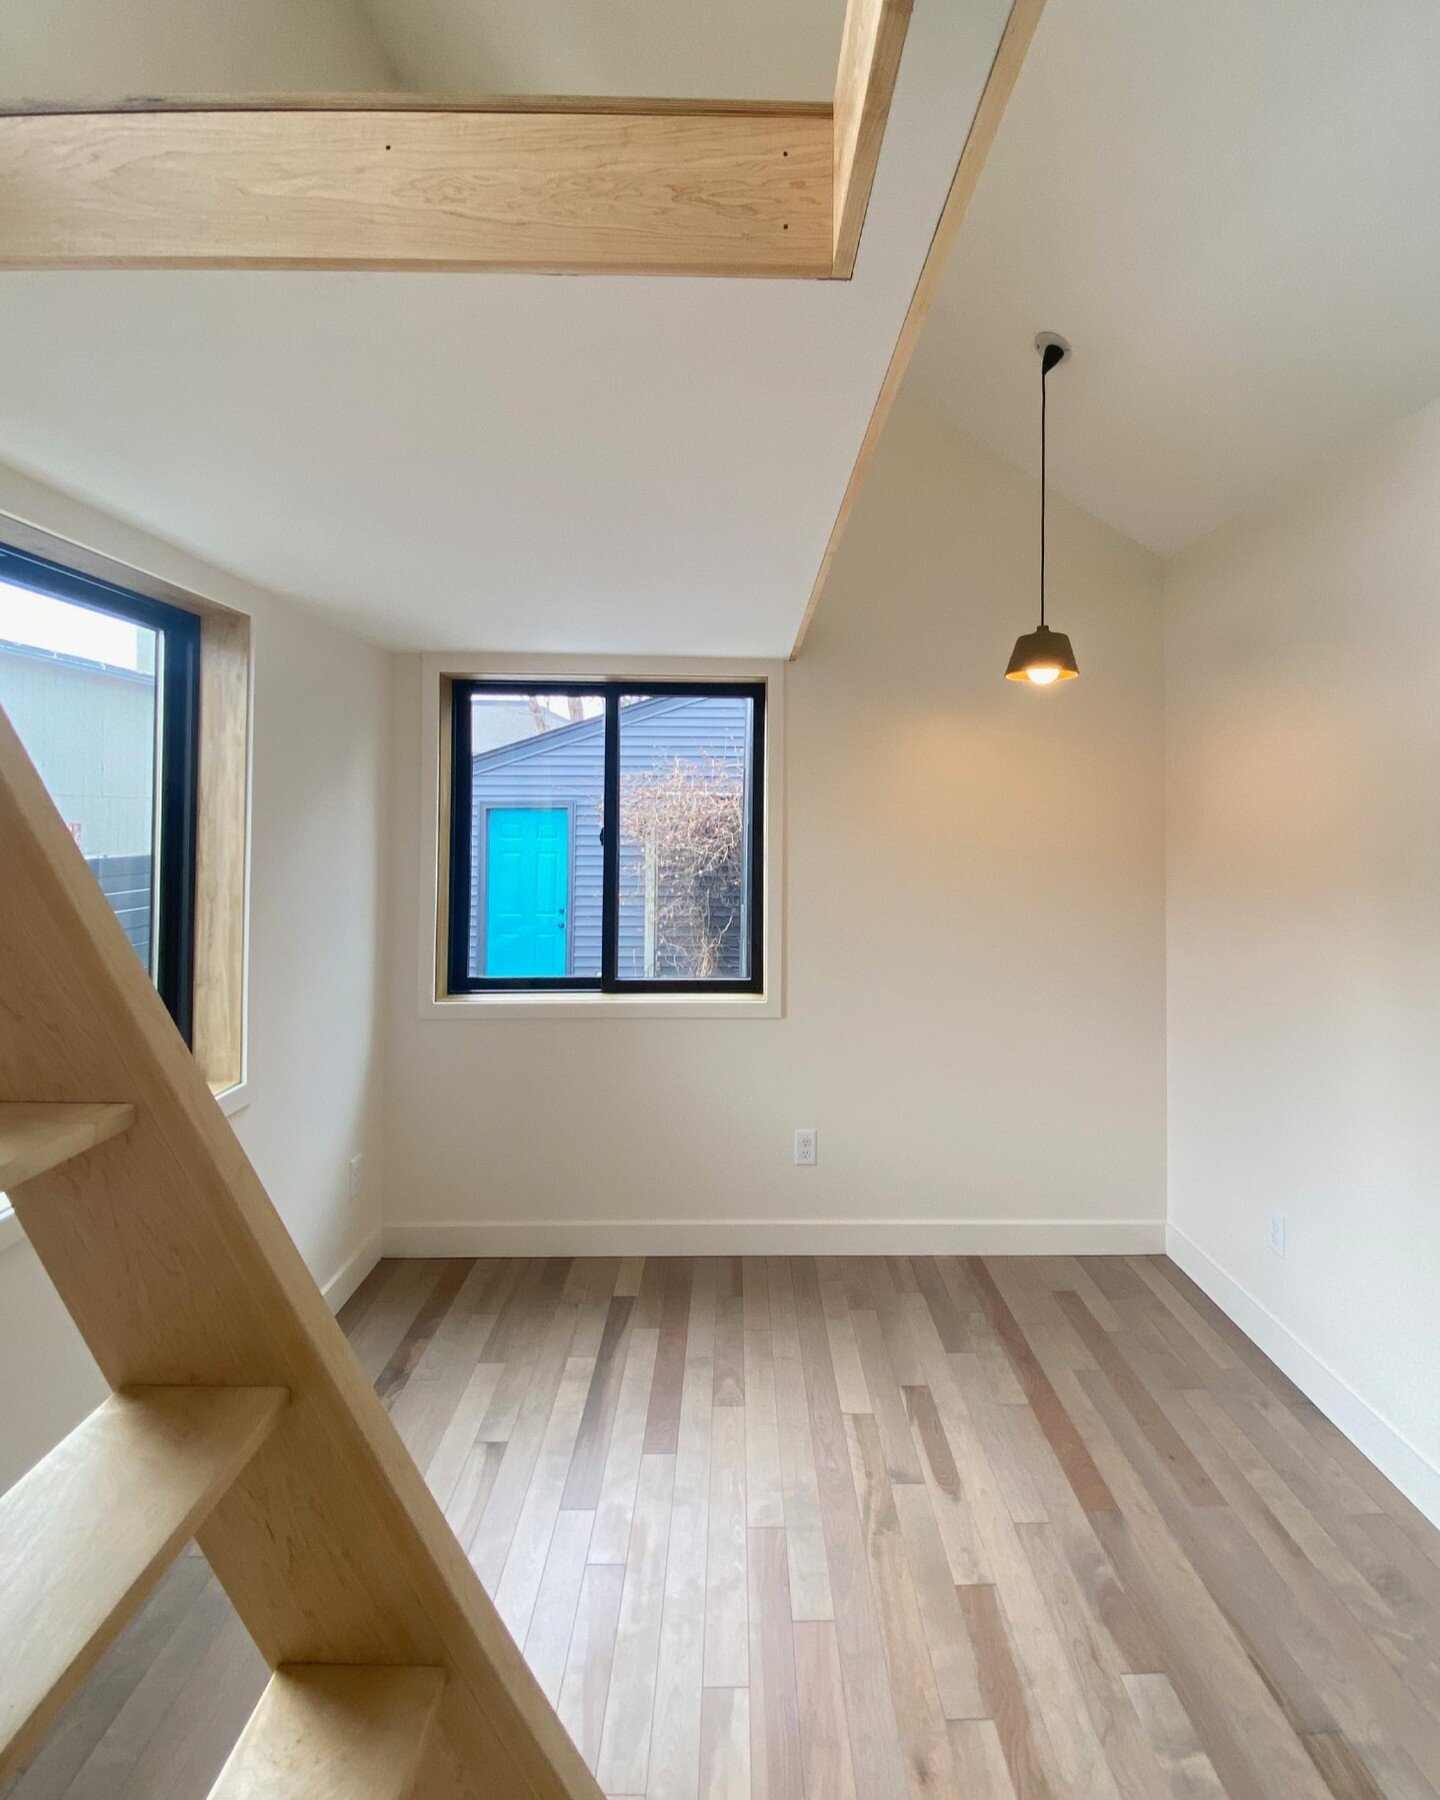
x,y
1232,209
499,462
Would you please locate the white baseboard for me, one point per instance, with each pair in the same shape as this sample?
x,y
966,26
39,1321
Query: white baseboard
x,y
778,1237
1416,1477
343,1283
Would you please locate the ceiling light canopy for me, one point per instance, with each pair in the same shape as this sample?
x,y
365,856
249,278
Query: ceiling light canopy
x,y
1043,657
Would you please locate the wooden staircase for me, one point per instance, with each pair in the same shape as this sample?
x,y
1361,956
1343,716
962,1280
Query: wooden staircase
x,y
239,1415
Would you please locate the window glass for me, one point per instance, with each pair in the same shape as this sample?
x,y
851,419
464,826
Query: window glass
x,y
537,785
81,690
101,686
685,837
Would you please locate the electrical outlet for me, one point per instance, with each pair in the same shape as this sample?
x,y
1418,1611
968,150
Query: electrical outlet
x,y
805,1152
1276,1234
355,1176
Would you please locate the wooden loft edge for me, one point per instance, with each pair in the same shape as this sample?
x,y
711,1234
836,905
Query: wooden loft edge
x,y
691,192
1004,72
870,50
541,183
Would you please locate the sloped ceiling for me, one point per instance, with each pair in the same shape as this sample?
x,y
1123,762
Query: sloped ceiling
x,y
505,462
1232,209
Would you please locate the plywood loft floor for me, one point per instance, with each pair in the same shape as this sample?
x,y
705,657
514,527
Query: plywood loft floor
x,y
864,1528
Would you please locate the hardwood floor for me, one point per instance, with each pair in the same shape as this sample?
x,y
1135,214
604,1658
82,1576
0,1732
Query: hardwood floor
x,y
863,1529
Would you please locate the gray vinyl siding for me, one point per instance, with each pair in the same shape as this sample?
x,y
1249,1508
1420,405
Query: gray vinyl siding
x,y
565,767
126,883
89,728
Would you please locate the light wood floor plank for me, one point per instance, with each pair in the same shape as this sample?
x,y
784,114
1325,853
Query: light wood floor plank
x,y
624,1760
586,1686
727,1615
764,1485
804,1535
725,1744
680,1680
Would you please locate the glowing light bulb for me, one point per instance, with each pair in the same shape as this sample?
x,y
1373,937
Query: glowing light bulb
x,y
1043,674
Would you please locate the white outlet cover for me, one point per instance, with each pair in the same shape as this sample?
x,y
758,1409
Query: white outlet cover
x,y
1276,1232
806,1142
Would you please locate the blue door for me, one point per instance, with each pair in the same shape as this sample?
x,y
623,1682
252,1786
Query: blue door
x,y
527,890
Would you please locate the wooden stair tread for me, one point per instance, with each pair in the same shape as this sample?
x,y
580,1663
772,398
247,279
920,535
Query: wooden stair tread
x,y
37,1137
334,1731
86,1534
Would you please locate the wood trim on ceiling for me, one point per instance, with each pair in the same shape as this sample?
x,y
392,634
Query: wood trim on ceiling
x,y
870,50
686,193
1004,72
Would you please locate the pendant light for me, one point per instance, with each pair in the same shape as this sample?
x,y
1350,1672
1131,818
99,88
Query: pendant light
x,y
1043,657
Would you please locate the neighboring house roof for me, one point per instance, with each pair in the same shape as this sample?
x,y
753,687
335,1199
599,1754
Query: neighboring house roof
x,y
63,659
571,734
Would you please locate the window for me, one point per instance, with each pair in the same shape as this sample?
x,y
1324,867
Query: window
x,y
102,686
607,836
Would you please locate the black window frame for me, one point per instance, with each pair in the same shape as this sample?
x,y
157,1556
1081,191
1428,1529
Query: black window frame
x,y
459,980
178,757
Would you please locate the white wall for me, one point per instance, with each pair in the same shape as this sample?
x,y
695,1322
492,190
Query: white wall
x,y
107,49
974,1008
320,751
1303,655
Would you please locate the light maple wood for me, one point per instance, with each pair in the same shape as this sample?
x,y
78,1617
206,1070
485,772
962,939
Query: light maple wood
x,y
220,848
86,1534
1004,72
695,192
328,1732
1002,1628
870,48
175,1266
36,1138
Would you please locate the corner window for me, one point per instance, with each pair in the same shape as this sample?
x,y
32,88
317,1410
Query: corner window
x,y
102,686
606,836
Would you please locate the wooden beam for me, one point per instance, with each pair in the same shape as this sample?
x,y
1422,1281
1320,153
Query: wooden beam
x,y
1004,71
870,50
698,191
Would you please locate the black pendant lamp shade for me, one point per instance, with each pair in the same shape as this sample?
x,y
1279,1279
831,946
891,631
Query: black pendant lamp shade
x,y
1043,657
